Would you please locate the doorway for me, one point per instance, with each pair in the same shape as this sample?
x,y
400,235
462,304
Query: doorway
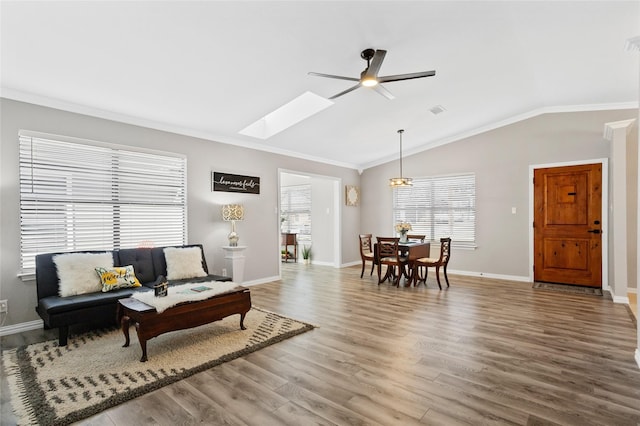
x,y
567,224
319,228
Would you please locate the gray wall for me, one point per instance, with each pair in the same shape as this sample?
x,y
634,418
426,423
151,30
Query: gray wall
x,y
501,160
259,231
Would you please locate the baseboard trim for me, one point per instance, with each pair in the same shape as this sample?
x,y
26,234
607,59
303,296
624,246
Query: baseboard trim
x,y
619,299
493,276
19,328
260,281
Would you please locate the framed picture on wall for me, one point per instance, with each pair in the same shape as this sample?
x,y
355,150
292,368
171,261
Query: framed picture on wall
x,y
352,195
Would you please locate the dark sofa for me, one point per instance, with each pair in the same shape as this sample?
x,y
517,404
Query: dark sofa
x,y
100,308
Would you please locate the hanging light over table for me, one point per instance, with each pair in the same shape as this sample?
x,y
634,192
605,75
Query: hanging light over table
x,y
400,181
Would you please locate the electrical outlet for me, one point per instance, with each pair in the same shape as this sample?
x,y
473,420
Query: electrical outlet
x,y
4,306
224,272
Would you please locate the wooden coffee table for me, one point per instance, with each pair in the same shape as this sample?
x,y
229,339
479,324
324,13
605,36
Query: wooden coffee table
x,y
150,323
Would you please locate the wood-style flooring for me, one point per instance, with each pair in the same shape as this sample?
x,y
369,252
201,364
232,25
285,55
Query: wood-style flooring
x,y
481,352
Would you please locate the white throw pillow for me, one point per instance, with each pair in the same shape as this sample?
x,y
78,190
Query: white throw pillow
x,y
77,272
184,262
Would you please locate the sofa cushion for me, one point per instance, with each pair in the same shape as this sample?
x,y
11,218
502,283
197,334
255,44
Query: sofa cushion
x,y
55,305
184,262
77,274
118,277
142,262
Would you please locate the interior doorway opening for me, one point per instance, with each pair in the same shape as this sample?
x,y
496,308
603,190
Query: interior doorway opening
x,y
309,208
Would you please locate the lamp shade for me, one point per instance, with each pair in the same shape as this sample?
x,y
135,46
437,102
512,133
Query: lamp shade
x,y
232,212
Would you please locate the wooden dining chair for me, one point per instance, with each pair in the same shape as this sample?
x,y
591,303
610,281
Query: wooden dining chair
x,y
388,253
415,237
366,252
428,262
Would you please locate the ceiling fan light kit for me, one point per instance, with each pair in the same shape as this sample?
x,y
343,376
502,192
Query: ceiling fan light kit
x,y
400,181
369,77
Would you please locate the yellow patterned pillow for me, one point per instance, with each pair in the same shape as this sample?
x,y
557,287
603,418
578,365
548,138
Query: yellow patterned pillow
x,y
118,277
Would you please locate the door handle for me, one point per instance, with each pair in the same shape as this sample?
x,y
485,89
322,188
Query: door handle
x,y
594,231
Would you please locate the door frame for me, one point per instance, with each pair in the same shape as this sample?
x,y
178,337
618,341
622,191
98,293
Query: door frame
x,y
604,162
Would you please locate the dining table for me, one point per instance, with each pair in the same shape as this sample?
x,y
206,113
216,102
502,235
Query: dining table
x,y
412,250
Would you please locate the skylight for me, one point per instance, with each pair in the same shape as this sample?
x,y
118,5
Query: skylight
x,y
304,106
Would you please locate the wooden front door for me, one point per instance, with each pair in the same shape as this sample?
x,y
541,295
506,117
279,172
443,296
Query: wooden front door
x,y
567,225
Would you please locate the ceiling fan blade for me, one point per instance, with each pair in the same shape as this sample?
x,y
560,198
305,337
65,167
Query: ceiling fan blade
x,y
351,89
384,92
398,77
376,62
339,77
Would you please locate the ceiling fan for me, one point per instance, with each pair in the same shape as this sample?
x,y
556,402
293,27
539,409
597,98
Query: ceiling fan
x,y
369,77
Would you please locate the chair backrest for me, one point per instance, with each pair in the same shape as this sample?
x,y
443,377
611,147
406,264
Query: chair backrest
x,y
445,250
388,247
417,237
365,244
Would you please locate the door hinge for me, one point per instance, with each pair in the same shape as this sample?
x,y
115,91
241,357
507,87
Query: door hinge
x,y
534,224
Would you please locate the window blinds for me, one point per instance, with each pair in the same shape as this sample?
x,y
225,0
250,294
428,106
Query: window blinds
x,y
295,207
81,196
441,206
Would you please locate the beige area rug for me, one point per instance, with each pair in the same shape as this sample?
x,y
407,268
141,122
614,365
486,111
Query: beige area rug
x,y
564,288
60,385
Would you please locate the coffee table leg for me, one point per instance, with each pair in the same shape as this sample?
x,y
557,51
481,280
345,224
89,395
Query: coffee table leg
x,y
143,343
242,327
125,323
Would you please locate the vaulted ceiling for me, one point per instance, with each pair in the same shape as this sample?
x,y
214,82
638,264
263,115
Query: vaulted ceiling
x,y
211,68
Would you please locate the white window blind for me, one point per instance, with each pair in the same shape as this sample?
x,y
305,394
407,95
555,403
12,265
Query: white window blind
x,y
83,196
295,209
440,206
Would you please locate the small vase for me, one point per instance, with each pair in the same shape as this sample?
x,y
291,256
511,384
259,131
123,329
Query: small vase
x,y
403,237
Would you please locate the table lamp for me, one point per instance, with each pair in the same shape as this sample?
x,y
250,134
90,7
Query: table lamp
x,y
233,212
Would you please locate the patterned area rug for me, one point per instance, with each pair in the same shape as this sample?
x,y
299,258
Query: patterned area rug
x,y
60,385
563,288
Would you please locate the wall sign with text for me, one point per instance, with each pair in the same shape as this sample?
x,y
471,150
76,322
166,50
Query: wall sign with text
x,y
226,182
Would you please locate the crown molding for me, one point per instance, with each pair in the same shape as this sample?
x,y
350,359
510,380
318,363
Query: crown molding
x,y
610,128
508,121
39,100
31,98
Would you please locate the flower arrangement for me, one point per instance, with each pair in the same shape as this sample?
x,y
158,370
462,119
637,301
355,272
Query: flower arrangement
x,y
403,227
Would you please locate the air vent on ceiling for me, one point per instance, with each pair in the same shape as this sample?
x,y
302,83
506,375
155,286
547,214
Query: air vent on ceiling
x,y
438,109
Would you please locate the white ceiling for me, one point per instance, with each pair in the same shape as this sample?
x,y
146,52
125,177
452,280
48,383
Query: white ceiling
x,y
211,68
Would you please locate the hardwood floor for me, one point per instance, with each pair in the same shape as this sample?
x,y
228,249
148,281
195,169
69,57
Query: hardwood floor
x,y
481,352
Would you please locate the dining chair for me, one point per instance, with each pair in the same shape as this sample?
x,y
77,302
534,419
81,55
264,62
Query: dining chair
x,y
412,237
366,252
427,262
388,253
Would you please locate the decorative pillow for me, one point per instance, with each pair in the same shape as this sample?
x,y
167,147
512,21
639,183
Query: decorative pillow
x,y
77,273
184,262
118,277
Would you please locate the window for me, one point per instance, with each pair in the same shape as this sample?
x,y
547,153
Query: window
x,y
81,195
441,206
295,210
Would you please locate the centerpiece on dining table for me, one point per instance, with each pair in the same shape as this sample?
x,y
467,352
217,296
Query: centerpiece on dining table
x,y
403,228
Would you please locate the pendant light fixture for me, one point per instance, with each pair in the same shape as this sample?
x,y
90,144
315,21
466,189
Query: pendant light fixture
x,y
400,181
